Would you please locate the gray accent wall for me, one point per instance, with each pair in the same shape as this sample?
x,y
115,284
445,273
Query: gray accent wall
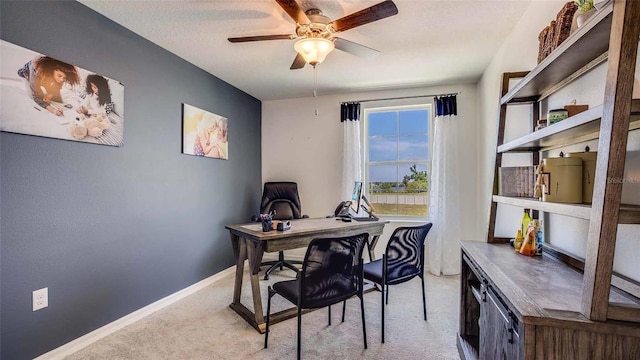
x,y
110,230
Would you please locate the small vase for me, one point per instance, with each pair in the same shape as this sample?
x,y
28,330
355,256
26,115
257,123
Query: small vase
x,y
582,17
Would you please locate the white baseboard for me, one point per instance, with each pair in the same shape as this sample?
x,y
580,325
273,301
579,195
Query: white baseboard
x,y
85,340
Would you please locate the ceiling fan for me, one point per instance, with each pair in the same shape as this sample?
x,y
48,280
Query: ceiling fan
x,y
315,32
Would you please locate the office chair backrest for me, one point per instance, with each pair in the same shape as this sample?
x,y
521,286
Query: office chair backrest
x,y
281,196
332,270
405,252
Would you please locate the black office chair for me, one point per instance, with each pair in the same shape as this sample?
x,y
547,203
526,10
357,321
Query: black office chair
x,y
402,260
331,273
281,196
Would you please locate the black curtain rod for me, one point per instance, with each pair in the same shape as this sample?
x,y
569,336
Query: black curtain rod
x,y
400,98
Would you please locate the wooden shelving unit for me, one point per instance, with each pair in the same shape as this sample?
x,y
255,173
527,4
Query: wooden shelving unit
x,y
568,298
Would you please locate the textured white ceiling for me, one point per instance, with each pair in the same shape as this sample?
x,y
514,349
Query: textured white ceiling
x,y
428,43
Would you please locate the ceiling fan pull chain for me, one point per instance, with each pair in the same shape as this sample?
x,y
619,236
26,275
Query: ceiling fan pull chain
x,y
315,86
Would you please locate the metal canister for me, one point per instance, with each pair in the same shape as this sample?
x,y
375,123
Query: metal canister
x,y
588,172
556,115
562,179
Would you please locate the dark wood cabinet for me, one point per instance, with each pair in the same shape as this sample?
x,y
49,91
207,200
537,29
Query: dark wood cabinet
x,y
499,339
506,313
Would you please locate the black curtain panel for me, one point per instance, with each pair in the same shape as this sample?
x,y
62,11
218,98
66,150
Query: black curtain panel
x,y
349,111
446,105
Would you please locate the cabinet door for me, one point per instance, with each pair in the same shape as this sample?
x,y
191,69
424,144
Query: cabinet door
x,y
497,337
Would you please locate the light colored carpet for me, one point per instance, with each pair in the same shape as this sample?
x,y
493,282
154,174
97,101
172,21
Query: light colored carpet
x,y
202,326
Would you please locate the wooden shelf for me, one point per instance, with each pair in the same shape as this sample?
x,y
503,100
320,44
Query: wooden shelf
x,y
578,128
629,214
581,48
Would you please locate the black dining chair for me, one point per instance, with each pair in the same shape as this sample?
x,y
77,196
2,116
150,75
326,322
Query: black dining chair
x,y
403,259
331,273
281,197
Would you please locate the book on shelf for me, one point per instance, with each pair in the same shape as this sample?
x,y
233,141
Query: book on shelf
x,y
516,181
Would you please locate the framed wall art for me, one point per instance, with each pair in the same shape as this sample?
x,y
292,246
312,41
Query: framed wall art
x,y
47,97
204,133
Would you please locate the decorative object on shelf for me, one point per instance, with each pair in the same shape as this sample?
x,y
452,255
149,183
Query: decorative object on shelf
x,y
542,123
574,109
556,115
557,32
585,11
562,180
588,172
516,181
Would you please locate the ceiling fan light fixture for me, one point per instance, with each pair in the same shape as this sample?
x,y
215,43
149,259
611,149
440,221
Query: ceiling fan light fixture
x,y
314,50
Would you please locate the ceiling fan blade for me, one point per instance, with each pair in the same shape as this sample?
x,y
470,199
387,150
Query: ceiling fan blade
x,y
355,48
298,63
365,16
261,37
293,9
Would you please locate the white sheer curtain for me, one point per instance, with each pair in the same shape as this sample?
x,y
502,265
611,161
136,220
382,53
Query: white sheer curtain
x,y
352,157
444,201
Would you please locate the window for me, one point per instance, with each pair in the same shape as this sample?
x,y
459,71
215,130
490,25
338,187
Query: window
x,y
397,160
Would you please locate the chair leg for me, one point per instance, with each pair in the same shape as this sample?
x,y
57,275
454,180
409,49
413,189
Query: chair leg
x,y
364,326
329,307
387,294
266,332
344,307
299,330
382,306
424,299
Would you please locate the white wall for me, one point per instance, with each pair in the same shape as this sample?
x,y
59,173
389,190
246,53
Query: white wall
x,y
299,146
519,53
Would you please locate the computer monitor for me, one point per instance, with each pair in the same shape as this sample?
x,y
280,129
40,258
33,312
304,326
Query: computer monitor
x,y
356,196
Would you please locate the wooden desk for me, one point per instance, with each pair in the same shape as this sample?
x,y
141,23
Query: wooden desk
x,y
249,242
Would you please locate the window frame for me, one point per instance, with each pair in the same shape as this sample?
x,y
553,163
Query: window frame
x,y
365,154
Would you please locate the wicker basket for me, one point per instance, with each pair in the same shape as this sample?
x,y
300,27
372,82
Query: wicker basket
x,y
558,31
542,38
563,23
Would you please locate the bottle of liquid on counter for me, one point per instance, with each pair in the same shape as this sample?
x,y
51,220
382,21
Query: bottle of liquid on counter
x,y
529,243
526,219
517,244
539,237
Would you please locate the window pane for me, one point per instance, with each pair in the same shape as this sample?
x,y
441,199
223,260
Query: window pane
x,y
383,187
397,162
379,174
383,149
413,148
383,123
414,179
414,122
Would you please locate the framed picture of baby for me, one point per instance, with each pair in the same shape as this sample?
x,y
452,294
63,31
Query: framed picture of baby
x,y
48,97
204,133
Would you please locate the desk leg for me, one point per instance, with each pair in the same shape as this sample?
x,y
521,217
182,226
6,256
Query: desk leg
x,y
372,244
245,249
255,253
240,251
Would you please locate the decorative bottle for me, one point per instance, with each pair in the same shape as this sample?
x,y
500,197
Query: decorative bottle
x,y
529,244
526,219
518,242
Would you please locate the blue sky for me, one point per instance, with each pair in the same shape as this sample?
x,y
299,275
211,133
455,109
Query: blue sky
x,y
397,136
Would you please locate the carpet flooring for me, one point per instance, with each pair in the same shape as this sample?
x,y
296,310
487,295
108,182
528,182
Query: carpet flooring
x,y
202,326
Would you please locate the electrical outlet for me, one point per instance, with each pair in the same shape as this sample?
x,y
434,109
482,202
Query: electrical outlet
x,y
40,299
